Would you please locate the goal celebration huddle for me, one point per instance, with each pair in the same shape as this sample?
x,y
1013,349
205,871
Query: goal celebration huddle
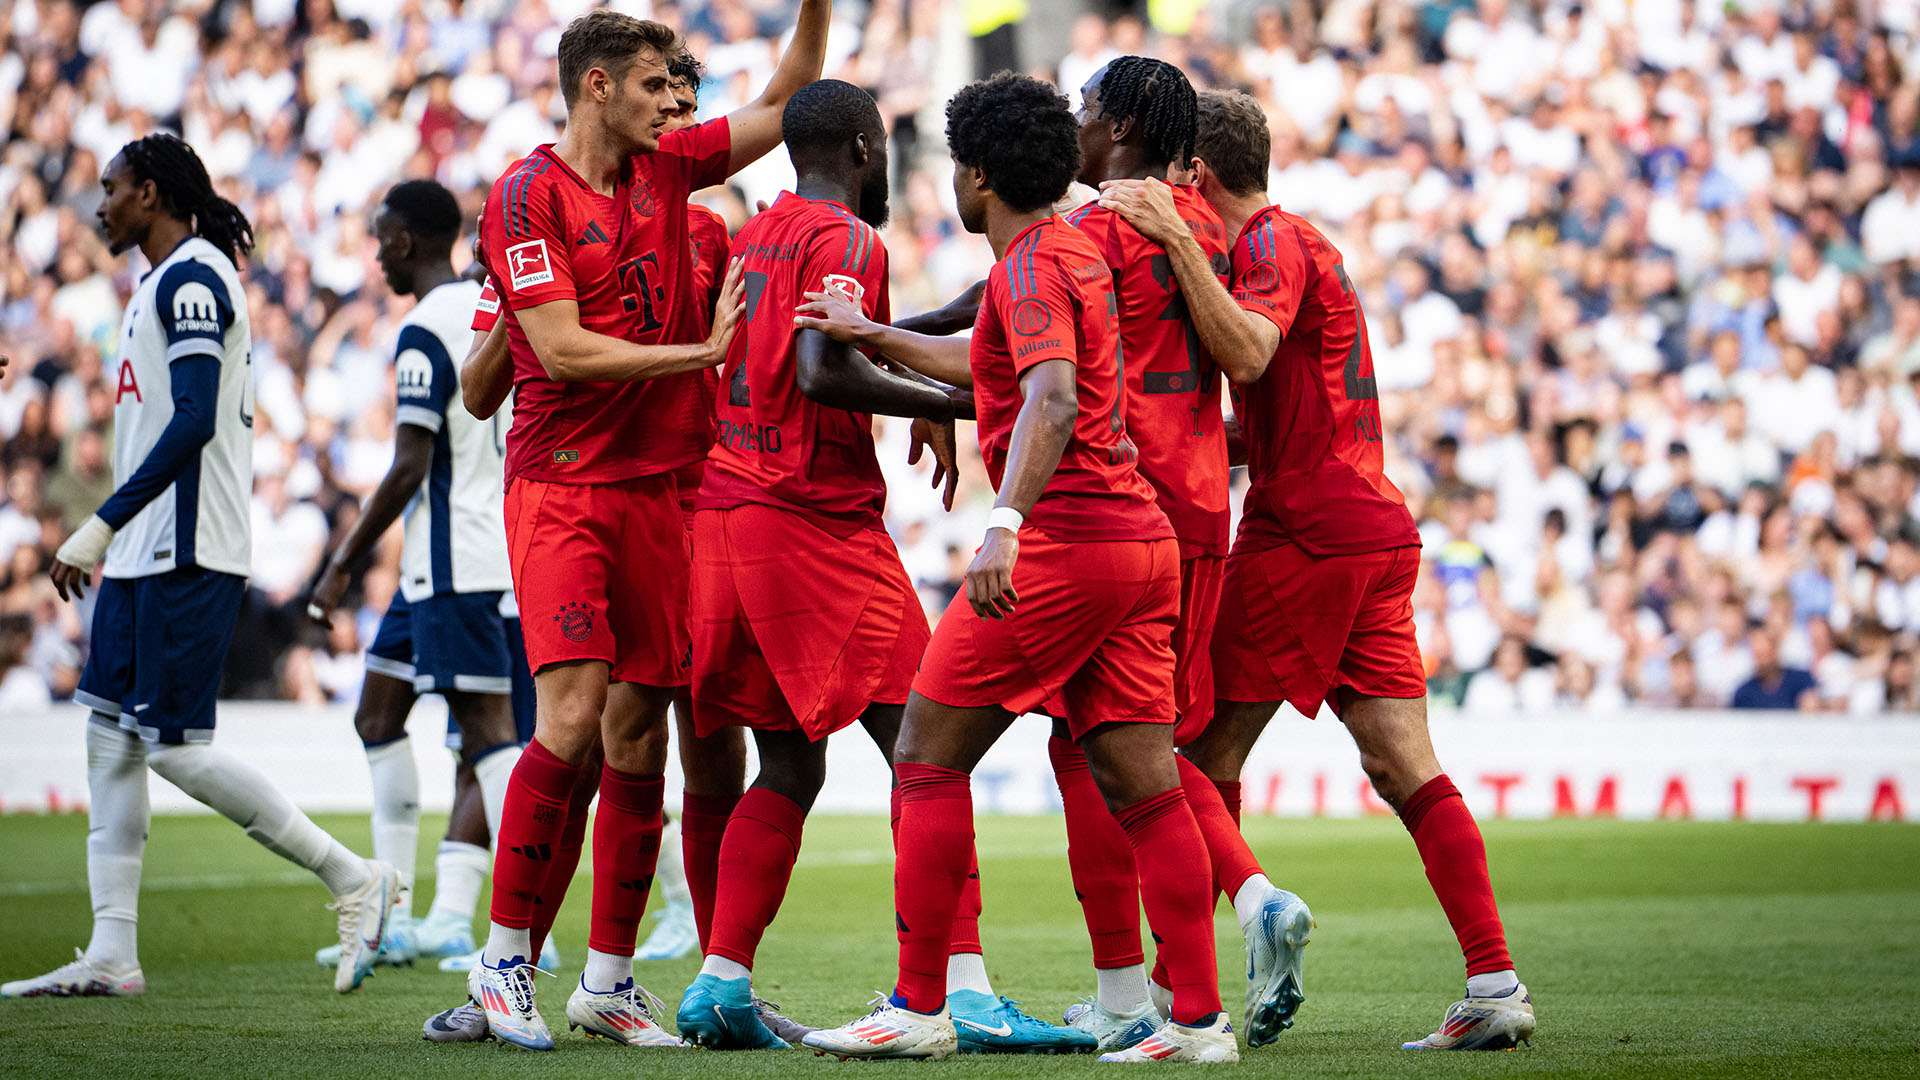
x,y
642,512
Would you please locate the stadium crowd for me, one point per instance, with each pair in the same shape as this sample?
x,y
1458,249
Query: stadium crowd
x,y
1643,287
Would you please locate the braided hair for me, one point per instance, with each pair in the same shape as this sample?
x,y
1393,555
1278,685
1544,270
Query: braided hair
x,y
187,193
1157,97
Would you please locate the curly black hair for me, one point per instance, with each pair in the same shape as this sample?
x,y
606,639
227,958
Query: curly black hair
x,y
1157,97
429,210
826,114
187,192
1021,133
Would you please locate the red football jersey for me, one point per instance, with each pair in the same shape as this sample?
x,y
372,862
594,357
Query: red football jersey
x,y
1052,298
625,259
1313,420
1173,389
772,444
710,247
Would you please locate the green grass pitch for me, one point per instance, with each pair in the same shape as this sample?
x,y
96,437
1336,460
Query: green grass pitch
x,y
1699,950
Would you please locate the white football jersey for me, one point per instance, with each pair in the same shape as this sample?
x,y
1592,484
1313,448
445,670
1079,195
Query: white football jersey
x,y
456,533
192,303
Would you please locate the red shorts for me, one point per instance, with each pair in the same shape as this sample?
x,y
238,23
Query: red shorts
x,y
600,571
1296,628
1201,579
795,628
687,478
1093,630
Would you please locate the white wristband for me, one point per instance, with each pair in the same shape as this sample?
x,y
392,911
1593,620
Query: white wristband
x,y
1005,517
88,544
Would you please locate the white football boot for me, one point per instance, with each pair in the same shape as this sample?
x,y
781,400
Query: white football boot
x,y
505,994
1483,1023
363,924
1208,1045
621,1015
82,978
889,1032
1111,1030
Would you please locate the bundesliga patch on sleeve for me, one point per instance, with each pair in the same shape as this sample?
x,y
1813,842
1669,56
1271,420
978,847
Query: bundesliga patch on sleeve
x,y
527,264
490,300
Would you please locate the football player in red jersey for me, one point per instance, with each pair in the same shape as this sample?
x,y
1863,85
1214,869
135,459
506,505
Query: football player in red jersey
x,y
1317,606
1072,596
713,769
1137,116
804,619
587,240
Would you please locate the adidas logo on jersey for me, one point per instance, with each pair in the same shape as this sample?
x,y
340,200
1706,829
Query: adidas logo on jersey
x,y
194,311
593,235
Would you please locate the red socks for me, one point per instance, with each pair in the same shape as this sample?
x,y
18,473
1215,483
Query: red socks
x,y
1100,859
1230,795
703,826
530,825
932,846
1178,896
1456,861
965,937
626,845
566,857
756,862
1233,861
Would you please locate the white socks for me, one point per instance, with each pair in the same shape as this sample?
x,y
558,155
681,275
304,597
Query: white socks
x,y
722,968
1493,984
1122,990
459,870
242,793
117,818
396,812
670,872
493,771
1250,898
967,971
605,972
504,943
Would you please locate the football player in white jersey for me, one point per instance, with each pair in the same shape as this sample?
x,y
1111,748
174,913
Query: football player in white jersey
x,y
177,542
447,478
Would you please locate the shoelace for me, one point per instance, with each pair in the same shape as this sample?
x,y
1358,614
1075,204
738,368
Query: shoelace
x,y
73,971
519,980
1016,1016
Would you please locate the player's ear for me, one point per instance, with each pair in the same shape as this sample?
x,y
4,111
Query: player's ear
x,y
1122,128
862,149
1198,174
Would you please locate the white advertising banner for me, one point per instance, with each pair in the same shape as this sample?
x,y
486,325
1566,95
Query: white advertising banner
x,y
1639,765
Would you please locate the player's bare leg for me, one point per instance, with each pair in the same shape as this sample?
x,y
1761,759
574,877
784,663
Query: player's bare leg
x,y
1397,753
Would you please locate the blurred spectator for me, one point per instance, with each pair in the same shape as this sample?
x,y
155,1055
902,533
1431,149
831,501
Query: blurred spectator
x,y
1773,686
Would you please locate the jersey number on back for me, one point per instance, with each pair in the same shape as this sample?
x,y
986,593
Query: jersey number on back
x,y
737,390
1366,426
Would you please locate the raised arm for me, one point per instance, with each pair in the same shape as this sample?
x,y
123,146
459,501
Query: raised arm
x,y
755,126
1049,404
1240,341
942,359
571,353
958,315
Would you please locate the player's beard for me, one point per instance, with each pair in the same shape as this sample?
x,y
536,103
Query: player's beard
x,y
873,196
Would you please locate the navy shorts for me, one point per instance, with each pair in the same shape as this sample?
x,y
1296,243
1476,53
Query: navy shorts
x,y
391,653
460,643
158,650
521,675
